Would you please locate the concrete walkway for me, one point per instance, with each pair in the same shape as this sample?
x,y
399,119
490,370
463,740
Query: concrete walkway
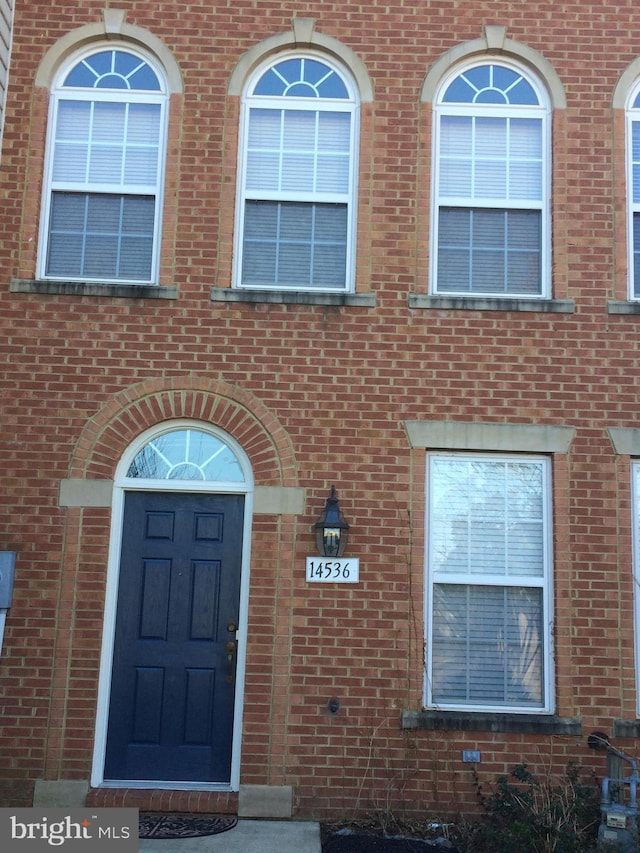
x,y
248,836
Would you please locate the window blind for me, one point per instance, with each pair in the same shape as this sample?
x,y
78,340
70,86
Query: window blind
x,y
490,158
101,236
298,151
489,251
106,143
294,244
487,645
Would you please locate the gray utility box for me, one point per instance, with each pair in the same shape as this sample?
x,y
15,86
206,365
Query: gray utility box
x,y
619,805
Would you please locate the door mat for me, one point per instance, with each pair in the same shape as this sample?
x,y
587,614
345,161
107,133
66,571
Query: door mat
x,y
156,825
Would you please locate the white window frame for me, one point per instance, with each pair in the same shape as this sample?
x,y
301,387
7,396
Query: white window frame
x,y
633,207
351,106
545,583
542,112
59,93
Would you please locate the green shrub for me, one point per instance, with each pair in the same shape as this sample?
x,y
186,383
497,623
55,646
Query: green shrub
x,y
529,814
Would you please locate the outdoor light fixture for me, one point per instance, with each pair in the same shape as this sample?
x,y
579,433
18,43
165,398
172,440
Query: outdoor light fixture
x,y
332,531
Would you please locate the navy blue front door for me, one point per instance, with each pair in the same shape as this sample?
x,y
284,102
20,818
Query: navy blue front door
x,y
174,661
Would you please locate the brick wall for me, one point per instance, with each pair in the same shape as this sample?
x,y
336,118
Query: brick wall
x,y
329,388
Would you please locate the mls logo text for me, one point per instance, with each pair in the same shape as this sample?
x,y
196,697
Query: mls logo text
x,y
34,830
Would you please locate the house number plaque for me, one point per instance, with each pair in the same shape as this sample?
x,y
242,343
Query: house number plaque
x,y
329,570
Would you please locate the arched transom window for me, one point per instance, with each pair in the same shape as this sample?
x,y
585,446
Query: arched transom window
x,y
186,454
105,170
296,211
491,179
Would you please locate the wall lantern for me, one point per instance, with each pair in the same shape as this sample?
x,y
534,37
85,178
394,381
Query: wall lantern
x,y
332,531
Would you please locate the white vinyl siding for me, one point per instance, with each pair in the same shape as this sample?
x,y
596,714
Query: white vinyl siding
x,y
105,174
488,619
296,210
491,181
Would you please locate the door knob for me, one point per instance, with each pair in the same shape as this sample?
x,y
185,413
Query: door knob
x,y
232,627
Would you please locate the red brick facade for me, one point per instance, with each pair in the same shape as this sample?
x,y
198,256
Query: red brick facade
x,y
319,394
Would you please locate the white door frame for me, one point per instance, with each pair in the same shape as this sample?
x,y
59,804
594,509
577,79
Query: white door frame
x,y
122,484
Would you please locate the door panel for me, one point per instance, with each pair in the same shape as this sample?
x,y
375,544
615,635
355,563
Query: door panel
x,y
173,686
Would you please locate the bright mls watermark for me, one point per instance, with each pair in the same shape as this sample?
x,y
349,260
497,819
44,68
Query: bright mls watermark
x,y
35,830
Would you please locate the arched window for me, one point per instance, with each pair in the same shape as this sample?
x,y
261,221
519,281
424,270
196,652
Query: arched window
x,y
105,169
186,454
491,184
633,190
296,205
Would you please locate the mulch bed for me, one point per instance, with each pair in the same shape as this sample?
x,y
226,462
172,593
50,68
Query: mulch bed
x,y
354,841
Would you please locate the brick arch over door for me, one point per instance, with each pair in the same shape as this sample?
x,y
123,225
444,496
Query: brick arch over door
x,y
238,412
99,449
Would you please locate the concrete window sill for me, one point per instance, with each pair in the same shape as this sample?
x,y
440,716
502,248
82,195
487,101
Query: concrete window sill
x,y
626,728
467,721
86,288
619,307
491,303
293,297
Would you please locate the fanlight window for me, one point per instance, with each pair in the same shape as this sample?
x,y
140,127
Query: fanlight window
x,y
491,84
186,454
113,69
